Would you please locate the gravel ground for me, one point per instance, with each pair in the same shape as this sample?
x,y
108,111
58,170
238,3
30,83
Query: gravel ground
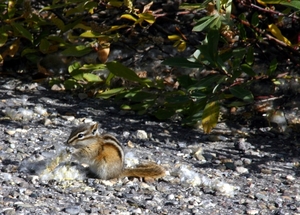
x,y
231,171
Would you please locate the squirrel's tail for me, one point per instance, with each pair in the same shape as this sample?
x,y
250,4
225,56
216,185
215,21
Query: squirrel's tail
x,y
149,170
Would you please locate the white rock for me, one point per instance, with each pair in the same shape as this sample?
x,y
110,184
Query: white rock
x,y
171,197
69,118
241,169
290,177
39,109
10,132
126,134
47,122
141,134
88,120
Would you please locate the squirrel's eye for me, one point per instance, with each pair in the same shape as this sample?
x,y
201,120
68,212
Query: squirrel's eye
x,y
94,131
80,136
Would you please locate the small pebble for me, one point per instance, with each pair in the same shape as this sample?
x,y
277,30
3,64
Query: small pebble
x,y
58,87
290,177
171,197
130,144
241,169
47,122
141,134
126,134
73,209
69,118
252,211
10,132
266,171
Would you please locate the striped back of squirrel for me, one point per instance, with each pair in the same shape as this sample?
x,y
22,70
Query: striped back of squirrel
x,y
87,135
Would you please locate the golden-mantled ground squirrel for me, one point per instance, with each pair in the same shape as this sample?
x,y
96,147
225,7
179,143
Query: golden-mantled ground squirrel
x,y
105,155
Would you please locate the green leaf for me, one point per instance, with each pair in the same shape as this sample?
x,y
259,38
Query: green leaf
x,y
241,27
228,9
198,95
250,56
129,17
196,107
44,46
191,6
205,56
185,81
216,24
140,96
89,5
218,5
91,34
163,114
210,116
135,107
122,71
239,53
74,66
109,78
237,104
28,51
213,41
3,35
11,8
147,17
125,107
291,3
242,93
209,82
225,56
24,32
109,93
77,51
57,39
71,25
181,62
77,74
59,23
255,19
248,70
91,77
51,7
54,81
236,73
71,84
177,100
273,67
191,120
93,67
204,22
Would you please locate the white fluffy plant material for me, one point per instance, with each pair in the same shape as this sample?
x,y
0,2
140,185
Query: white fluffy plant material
x,y
54,166
131,159
39,109
60,168
190,177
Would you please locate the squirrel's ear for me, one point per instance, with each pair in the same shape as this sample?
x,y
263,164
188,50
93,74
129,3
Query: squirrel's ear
x,y
95,128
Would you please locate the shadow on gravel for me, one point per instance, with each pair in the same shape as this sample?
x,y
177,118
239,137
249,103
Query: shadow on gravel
x,y
266,151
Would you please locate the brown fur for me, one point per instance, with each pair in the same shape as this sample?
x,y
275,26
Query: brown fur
x,y
105,156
